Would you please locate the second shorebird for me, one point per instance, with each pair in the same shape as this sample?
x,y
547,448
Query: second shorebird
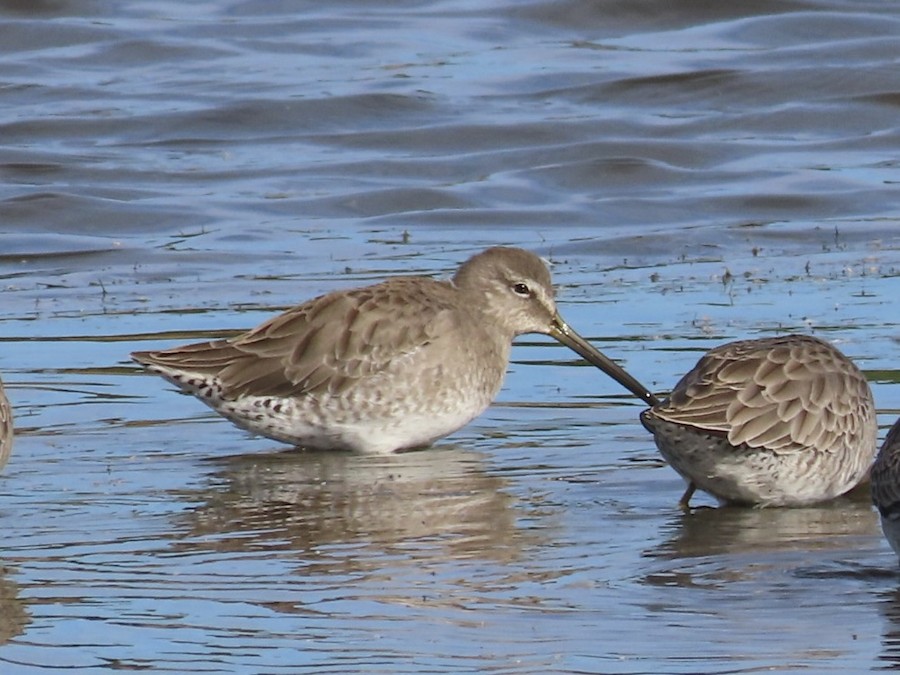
x,y
782,421
886,486
387,367
6,427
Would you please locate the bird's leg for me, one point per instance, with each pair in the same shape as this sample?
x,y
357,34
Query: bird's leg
x,y
685,502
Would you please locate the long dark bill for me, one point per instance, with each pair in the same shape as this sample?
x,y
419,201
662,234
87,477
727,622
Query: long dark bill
x,y
592,355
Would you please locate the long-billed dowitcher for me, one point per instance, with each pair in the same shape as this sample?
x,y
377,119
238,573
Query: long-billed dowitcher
x,y
773,422
886,486
387,367
6,427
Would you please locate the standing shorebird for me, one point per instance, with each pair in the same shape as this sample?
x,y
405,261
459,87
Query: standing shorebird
x,y
6,427
782,421
387,367
886,486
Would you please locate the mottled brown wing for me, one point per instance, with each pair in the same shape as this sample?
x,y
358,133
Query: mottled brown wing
x,y
785,394
326,344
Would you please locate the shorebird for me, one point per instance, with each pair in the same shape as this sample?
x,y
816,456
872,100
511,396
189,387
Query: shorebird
x,y
6,427
388,367
782,421
886,486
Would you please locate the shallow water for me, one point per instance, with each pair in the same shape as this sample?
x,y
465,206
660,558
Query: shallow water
x,y
173,171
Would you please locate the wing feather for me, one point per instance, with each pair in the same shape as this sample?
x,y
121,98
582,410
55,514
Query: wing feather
x,y
785,394
324,345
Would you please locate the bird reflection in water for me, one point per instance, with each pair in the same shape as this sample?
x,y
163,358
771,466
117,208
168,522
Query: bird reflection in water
x,y
345,512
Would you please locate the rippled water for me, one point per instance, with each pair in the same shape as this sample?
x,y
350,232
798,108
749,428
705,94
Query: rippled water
x,y
698,172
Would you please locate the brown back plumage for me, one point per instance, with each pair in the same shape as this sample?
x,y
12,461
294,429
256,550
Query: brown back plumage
x,y
300,351
786,394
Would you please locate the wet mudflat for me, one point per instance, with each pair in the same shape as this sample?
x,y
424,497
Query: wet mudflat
x,y
175,171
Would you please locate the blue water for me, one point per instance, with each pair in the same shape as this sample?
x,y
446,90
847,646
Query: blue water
x,y
696,173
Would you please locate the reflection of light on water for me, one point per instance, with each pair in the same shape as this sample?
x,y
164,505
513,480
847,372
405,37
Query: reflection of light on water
x,y
727,544
426,531
890,609
436,504
13,615
767,588
653,162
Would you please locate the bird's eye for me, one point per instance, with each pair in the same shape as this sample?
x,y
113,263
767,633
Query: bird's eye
x,y
522,289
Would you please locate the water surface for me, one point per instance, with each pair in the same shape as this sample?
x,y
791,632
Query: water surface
x,y
175,171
